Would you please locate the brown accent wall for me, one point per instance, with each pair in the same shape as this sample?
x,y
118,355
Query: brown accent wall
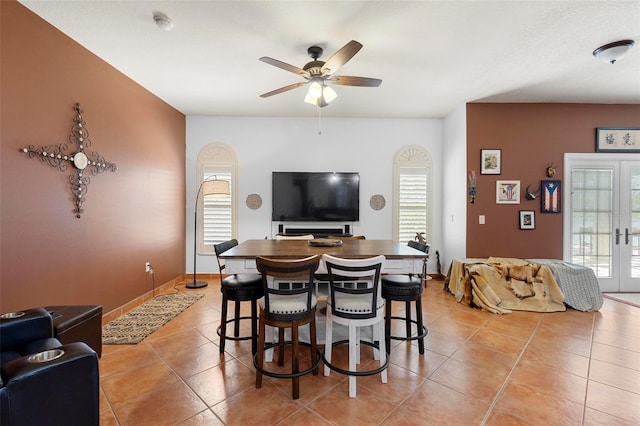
x,y
531,137
136,214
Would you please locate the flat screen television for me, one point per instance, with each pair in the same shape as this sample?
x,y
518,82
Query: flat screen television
x,y
315,197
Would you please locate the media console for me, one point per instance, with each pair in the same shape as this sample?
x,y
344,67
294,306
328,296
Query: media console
x,y
317,232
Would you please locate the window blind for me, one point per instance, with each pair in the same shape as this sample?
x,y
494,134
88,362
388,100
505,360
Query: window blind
x,y
412,202
217,213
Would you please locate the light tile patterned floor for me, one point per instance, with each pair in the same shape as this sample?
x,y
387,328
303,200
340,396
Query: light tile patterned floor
x,y
570,368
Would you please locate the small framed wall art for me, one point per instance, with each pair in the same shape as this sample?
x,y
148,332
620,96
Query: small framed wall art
x,y
507,192
527,219
490,161
617,139
550,196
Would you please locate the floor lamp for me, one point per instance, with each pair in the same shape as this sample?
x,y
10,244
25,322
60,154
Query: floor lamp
x,y
209,186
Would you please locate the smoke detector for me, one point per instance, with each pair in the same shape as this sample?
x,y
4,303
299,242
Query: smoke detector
x,y
162,21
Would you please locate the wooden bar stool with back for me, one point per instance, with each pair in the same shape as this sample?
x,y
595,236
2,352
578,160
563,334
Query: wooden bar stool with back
x,y
288,302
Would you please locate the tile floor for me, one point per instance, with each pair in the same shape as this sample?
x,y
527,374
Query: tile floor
x,y
570,368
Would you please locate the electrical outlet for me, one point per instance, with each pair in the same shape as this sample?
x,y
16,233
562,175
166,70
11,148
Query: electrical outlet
x,y
147,267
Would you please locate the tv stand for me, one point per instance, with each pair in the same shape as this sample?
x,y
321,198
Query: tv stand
x,y
316,232
343,231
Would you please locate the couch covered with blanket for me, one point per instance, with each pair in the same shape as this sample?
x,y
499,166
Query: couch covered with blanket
x,y
503,285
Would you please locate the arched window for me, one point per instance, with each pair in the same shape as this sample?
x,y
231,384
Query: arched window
x,y
217,215
412,200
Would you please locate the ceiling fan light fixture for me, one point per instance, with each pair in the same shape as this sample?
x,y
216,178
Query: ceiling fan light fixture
x,y
162,21
612,52
317,73
311,101
329,94
315,89
322,102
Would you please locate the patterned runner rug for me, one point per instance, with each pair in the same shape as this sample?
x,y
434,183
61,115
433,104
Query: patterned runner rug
x,y
134,326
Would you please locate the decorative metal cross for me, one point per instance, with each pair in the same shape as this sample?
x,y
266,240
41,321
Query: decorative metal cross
x,y
56,157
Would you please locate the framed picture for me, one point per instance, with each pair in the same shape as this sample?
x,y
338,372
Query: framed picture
x,y
508,192
617,139
550,196
527,219
490,161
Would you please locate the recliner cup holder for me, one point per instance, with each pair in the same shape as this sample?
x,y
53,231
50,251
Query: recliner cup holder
x,y
46,356
10,315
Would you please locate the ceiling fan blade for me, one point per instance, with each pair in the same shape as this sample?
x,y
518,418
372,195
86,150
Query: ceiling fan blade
x,y
341,57
284,66
346,80
283,89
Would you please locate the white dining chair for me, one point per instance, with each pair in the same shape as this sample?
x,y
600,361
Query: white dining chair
x,y
355,301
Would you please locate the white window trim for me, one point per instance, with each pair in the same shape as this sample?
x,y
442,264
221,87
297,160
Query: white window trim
x,y
412,156
211,156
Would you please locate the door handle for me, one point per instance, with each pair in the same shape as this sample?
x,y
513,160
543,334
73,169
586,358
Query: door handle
x,y
626,236
618,236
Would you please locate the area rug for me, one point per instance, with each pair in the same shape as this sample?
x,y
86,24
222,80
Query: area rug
x,y
134,326
632,299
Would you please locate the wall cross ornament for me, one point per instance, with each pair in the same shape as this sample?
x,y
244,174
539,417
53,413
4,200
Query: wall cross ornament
x,y
82,162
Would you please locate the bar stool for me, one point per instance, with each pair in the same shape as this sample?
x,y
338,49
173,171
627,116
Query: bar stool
x,y
288,302
354,301
407,289
238,288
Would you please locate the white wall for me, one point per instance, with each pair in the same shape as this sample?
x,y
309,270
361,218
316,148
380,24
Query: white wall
x,y
454,204
263,145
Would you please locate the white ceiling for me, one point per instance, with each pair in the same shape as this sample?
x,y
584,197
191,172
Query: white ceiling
x,y
432,56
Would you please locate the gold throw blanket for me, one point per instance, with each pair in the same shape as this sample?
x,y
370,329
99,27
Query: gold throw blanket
x,y
502,285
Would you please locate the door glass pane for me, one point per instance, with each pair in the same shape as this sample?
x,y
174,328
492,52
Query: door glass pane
x,y
635,221
591,202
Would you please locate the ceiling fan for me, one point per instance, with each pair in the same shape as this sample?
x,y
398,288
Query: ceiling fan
x,y
318,73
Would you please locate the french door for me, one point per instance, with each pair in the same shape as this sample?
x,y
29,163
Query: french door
x,y
602,217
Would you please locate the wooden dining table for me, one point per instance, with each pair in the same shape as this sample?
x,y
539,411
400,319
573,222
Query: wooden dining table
x,y
400,258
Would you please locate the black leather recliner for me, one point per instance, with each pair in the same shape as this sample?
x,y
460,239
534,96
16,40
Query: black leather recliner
x,y
41,380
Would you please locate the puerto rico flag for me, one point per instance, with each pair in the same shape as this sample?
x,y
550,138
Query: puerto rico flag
x,y
551,196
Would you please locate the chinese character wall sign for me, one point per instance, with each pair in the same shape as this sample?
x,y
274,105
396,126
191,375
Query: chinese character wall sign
x,y
617,139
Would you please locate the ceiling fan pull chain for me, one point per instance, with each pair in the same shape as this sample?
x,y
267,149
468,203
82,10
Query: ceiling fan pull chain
x,y
319,120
